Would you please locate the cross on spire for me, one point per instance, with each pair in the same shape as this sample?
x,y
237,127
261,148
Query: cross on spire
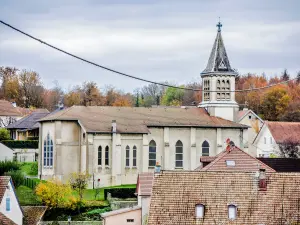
x,y
219,25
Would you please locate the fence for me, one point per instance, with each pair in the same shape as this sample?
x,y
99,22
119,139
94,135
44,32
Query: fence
x,y
30,182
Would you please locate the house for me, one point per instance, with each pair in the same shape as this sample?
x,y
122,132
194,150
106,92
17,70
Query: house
x,y
224,197
138,214
10,210
274,135
233,159
251,119
27,127
124,216
6,153
117,143
8,113
33,214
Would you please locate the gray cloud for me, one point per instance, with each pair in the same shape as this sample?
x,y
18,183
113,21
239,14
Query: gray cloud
x,y
156,40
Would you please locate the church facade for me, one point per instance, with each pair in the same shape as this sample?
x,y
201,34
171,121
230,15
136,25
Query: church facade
x,y
114,144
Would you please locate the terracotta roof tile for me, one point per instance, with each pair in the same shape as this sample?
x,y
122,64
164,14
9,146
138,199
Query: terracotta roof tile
x,y
137,120
175,194
145,182
6,221
4,180
7,109
33,214
284,131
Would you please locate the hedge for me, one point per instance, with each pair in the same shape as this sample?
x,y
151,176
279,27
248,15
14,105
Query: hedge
x,y
21,144
120,192
6,166
33,138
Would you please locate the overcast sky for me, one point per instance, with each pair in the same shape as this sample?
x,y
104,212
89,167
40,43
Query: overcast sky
x,y
157,40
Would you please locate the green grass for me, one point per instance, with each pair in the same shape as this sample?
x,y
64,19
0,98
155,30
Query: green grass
x,y
27,196
26,168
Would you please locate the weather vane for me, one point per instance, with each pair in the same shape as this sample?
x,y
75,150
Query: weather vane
x,y
219,25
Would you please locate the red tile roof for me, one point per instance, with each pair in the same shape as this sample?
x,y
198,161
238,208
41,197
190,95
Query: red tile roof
x,y
4,180
284,131
138,119
242,160
6,221
176,193
144,183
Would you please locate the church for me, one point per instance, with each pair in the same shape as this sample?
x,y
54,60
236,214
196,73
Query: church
x,y
114,144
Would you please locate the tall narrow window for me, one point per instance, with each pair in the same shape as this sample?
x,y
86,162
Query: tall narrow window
x,y
232,212
223,90
206,90
218,89
227,90
205,148
106,156
100,155
199,211
7,204
134,156
179,155
127,156
48,151
152,153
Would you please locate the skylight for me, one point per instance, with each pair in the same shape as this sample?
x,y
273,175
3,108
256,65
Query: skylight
x,y
230,163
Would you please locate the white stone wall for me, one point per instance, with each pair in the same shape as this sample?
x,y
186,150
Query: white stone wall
x,y
15,213
74,153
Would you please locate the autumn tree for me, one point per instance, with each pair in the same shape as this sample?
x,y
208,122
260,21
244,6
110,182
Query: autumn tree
x,y
79,182
275,102
9,83
298,78
91,94
73,97
289,149
52,97
191,97
172,97
151,94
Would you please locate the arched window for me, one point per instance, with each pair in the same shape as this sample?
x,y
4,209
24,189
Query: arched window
x,y
127,156
152,153
134,156
206,90
199,210
232,212
106,156
100,155
205,148
179,155
48,151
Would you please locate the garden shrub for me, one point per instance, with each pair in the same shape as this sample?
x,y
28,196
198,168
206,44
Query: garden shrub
x,y
120,192
4,134
6,166
32,138
34,169
16,176
21,144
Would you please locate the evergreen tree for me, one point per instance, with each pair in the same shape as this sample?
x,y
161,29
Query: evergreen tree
x,y
298,78
285,76
137,104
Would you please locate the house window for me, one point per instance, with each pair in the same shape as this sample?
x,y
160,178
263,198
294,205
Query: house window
x,y
100,155
230,163
48,151
265,140
205,148
199,211
7,204
134,156
127,155
152,153
106,156
130,220
250,117
232,212
179,155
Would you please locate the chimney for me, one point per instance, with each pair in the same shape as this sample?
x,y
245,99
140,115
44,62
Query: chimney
x,y
14,104
157,168
245,109
262,183
61,105
114,126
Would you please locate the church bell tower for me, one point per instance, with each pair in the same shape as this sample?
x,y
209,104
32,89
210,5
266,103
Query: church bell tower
x,y
218,83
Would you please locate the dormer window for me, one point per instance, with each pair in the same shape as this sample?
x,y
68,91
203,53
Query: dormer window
x,y
230,163
232,212
199,210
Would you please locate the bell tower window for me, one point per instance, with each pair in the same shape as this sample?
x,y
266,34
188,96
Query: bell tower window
x,y
227,90
206,90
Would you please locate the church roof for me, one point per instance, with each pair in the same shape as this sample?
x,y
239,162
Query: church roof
x,y
218,61
138,119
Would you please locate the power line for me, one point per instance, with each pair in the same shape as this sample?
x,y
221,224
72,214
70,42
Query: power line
x,y
131,76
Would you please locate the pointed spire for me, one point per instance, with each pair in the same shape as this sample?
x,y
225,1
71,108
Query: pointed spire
x,y
218,61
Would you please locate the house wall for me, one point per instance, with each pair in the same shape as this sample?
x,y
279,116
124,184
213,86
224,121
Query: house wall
x,y
15,213
145,204
121,219
78,152
5,153
26,155
264,145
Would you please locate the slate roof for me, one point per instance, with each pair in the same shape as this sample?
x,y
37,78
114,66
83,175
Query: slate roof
x,y
33,214
7,109
28,122
175,194
218,61
138,119
6,221
243,162
144,184
284,131
282,164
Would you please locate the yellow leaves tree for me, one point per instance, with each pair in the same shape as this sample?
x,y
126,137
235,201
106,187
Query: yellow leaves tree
x,y
55,194
79,182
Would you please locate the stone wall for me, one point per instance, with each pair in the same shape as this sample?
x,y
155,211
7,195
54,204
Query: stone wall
x,y
118,203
